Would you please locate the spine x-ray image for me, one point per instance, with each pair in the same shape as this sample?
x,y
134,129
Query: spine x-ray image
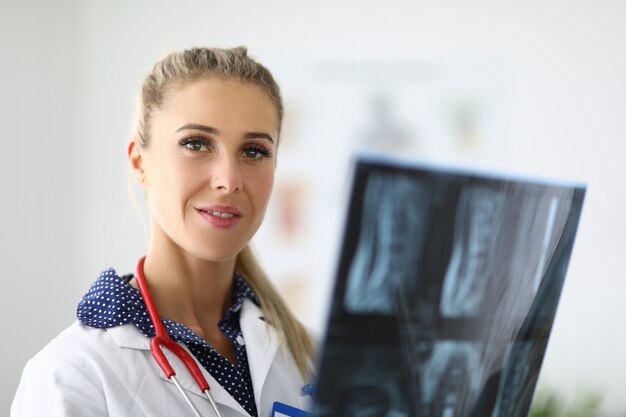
x,y
446,293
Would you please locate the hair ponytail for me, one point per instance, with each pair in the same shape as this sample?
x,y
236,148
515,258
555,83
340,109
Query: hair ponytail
x,y
291,333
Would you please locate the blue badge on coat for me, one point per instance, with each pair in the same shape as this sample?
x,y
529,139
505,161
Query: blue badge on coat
x,y
284,410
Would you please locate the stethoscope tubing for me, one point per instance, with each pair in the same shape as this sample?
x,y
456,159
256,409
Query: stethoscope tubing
x,y
185,396
162,340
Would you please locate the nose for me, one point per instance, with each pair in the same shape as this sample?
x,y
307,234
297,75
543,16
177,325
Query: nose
x,y
226,176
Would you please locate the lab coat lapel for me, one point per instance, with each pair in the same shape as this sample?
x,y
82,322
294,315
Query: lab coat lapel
x,y
129,336
261,345
220,395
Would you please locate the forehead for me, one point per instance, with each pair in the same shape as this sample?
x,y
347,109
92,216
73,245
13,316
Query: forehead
x,y
227,101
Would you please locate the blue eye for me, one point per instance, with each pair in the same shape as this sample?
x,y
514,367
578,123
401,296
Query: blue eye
x,y
195,144
256,152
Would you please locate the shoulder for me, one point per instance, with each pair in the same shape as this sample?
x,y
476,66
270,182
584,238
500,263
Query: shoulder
x,y
63,348
81,348
69,375
77,345
59,376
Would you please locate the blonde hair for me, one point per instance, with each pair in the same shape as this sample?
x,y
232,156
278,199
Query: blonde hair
x,y
290,331
182,67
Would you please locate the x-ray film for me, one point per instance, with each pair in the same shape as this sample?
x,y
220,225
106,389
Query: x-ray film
x,y
446,292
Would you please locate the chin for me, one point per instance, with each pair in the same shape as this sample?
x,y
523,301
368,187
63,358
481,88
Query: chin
x,y
223,254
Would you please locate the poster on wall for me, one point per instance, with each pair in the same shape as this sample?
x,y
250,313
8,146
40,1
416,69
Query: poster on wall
x,y
446,292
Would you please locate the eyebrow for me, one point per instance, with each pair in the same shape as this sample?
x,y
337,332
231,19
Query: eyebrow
x,y
213,131
259,135
203,128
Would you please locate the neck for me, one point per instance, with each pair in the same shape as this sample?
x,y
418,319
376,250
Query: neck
x,y
186,289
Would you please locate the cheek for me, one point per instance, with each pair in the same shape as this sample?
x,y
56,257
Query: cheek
x,y
170,187
261,184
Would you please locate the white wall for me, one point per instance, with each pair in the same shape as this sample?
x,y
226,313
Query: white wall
x,y
39,163
69,73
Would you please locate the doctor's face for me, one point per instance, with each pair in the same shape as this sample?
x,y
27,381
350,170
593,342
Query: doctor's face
x,y
208,168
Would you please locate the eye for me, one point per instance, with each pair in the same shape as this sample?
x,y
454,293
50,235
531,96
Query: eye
x,y
195,144
256,152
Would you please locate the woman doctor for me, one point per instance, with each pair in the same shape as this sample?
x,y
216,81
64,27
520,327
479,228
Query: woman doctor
x,y
204,151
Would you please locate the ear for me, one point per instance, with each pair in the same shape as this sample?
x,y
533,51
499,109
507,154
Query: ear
x,y
135,160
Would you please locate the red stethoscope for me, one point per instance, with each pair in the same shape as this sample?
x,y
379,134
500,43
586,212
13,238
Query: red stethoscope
x,y
162,340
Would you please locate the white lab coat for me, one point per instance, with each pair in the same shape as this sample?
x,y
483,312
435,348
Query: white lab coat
x,y
95,372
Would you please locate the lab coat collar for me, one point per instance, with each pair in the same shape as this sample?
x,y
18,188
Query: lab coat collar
x,y
128,336
259,337
262,345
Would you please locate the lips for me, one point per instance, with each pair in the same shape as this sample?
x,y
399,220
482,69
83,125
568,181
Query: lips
x,y
223,217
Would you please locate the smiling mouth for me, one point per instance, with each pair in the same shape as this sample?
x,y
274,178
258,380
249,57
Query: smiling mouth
x,y
221,214
222,218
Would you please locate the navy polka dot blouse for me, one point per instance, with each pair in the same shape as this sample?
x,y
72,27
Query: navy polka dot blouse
x,y
112,301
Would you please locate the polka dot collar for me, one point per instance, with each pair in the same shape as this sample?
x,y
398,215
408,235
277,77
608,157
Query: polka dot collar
x,y
112,301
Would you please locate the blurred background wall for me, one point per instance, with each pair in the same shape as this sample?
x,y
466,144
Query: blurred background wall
x,y
531,87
